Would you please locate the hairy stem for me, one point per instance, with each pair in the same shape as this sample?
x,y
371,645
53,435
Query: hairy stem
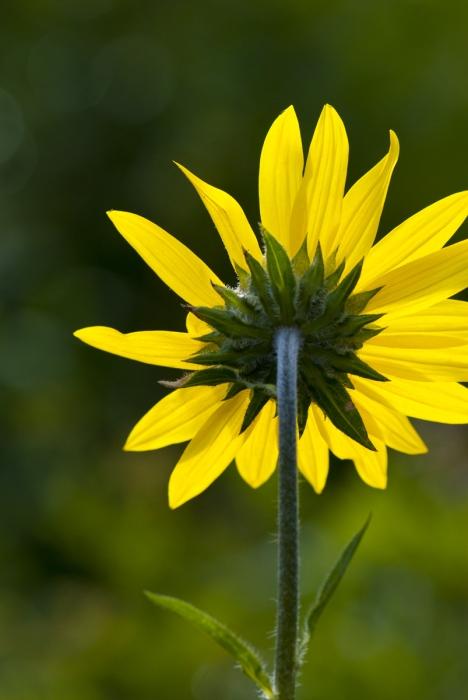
x,y
287,342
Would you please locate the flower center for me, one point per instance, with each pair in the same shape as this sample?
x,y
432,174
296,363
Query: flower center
x,y
319,301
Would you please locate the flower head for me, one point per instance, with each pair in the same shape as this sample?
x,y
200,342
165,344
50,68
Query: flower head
x,y
380,338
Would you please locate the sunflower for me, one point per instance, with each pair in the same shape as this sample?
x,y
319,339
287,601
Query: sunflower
x,y
380,338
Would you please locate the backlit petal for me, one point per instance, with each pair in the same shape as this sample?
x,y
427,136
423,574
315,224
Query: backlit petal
x,y
446,365
281,165
324,180
312,455
428,341
196,327
257,458
229,218
165,348
393,428
172,261
448,317
424,233
433,401
421,283
176,418
362,208
209,453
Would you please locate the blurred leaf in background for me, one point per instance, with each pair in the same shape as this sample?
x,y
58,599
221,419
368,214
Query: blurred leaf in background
x,y
97,97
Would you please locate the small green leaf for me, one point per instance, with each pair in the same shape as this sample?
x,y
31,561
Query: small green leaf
x,y
251,665
235,358
260,285
229,325
211,377
329,587
234,300
233,390
335,401
352,325
358,302
345,362
280,272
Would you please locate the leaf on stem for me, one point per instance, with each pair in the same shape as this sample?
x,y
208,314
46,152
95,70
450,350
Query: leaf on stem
x,y
328,588
251,665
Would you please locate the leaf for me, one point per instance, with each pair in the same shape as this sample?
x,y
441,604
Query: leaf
x,y
233,357
251,665
329,586
229,325
343,362
280,272
311,283
335,402
259,283
211,377
234,300
350,327
358,302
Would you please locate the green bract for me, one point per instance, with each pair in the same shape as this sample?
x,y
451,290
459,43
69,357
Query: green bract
x,y
316,298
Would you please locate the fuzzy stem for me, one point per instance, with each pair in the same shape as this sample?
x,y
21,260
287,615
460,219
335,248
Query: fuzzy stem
x,y
287,342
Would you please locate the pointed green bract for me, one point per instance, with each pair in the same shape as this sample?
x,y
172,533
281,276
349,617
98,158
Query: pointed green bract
x,y
260,284
282,280
358,302
258,399
233,357
310,284
329,587
248,660
346,362
211,377
335,401
231,326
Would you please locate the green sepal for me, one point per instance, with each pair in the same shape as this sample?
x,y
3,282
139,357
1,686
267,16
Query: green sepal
x,y
346,362
358,302
368,333
211,377
310,283
248,660
233,357
233,390
352,325
335,302
243,276
303,403
213,337
282,280
330,263
233,300
258,399
335,402
260,284
301,261
229,325
332,280
328,588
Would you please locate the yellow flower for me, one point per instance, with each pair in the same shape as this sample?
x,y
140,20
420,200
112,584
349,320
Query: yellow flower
x,y
408,365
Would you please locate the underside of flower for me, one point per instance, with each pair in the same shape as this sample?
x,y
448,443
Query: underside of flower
x,y
315,298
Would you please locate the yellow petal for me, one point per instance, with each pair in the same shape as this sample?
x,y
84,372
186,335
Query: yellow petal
x,y
435,401
196,327
424,233
392,427
446,365
362,208
421,283
176,418
325,179
257,458
448,317
172,261
371,466
165,348
229,218
209,453
428,341
281,165
312,455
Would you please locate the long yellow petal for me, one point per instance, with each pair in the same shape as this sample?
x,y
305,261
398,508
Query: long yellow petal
x,y
446,365
257,458
428,341
441,402
209,453
165,348
424,233
172,261
393,428
281,165
229,218
312,455
371,466
176,418
362,208
325,178
421,283
448,317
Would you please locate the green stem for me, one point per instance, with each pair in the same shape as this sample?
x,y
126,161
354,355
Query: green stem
x,y
287,343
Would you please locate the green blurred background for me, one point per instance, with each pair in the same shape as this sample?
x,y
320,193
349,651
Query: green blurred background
x,y
96,98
